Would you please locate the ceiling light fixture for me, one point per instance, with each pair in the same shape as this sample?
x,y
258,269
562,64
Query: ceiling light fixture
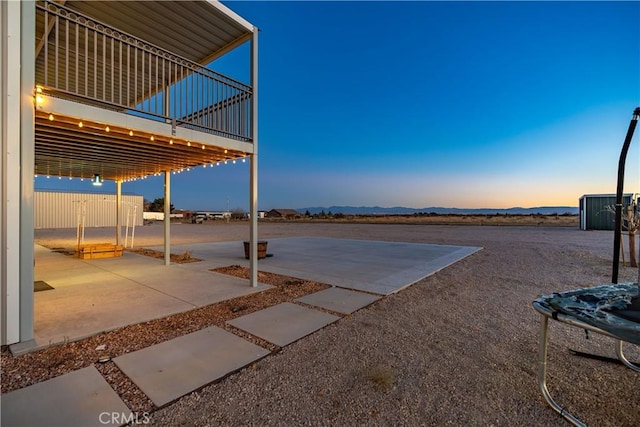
x,y
97,180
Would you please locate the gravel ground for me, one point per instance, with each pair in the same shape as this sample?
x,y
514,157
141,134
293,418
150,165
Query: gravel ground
x,y
459,347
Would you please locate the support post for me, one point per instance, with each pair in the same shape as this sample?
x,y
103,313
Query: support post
x,y
118,210
167,217
253,175
27,165
11,100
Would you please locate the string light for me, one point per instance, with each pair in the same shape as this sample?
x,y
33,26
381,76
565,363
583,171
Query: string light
x,y
80,124
171,141
51,117
39,97
152,138
130,133
106,129
188,143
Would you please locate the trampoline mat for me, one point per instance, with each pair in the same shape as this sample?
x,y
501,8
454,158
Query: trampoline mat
x,y
612,308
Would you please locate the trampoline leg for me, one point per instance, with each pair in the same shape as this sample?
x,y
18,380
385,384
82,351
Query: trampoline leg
x,y
542,375
623,359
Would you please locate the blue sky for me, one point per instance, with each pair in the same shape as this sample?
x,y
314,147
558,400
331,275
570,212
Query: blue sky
x,y
419,104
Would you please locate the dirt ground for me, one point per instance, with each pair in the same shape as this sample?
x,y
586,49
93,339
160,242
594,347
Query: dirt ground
x,y
459,347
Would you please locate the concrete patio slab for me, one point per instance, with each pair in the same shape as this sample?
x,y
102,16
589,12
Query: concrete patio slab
x,y
372,266
339,300
171,369
80,398
378,267
284,323
93,296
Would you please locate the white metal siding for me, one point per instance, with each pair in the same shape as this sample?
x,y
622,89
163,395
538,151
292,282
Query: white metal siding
x,y
62,210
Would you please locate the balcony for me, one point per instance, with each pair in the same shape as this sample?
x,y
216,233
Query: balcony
x,y
147,61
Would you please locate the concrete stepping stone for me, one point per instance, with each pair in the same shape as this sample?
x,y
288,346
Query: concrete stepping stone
x,y
284,323
171,369
80,398
339,300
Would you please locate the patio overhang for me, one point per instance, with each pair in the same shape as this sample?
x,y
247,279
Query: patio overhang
x,y
78,141
114,99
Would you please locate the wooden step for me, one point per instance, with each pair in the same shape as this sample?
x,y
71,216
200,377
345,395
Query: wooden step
x,y
98,250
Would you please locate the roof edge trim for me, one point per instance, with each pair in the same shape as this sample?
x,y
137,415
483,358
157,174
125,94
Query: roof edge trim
x,y
231,14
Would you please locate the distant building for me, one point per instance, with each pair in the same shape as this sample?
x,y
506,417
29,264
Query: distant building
x,y
594,214
283,213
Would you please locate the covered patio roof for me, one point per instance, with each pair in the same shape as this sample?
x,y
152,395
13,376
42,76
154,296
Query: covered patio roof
x,y
120,153
78,136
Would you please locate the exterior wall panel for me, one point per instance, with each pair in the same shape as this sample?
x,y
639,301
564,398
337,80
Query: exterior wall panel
x,y
65,209
594,214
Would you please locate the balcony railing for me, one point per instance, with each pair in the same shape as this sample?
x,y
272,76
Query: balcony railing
x,y
81,58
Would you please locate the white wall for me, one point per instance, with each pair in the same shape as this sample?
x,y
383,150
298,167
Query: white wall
x,y
55,209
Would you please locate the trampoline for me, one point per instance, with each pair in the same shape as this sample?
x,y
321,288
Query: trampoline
x,y
612,310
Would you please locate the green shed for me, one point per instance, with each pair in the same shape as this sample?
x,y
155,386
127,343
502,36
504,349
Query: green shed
x,y
594,214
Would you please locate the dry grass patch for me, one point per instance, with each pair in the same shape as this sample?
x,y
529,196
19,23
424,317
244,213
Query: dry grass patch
x,y
382,376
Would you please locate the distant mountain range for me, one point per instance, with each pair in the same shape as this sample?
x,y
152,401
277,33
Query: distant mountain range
x,y
399,210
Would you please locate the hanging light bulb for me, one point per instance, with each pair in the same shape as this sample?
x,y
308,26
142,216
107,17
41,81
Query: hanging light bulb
x,y
152,138
130,133
188,143
51,117
171,141
106,129
80,124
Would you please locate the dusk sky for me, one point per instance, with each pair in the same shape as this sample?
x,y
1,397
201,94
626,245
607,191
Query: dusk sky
x,y
420,104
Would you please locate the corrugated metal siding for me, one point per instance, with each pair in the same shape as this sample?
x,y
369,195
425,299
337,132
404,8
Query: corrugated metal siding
x,y
596,216
63,210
